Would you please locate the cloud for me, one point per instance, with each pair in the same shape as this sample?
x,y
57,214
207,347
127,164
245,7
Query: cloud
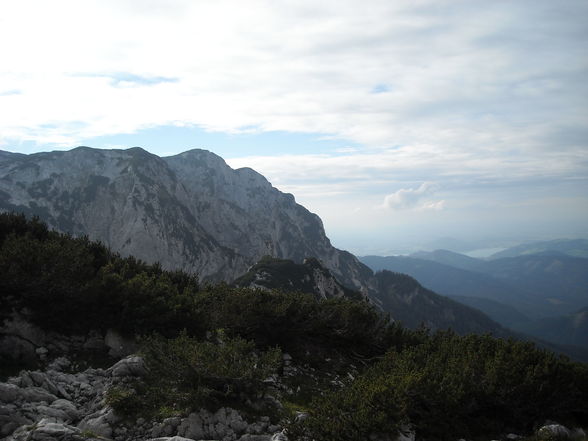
x,y
406,198
471,79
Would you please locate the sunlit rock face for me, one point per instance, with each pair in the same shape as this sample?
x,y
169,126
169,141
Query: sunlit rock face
x,y
190,211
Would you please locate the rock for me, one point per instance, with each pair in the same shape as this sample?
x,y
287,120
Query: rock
x,y
118,345
250,437
300,416
9,393
94,342
48,430
37,395
191,426
11,419
132,366
280,436
51,412
42,352
406,434
578,434
68,408
173,438
59,364
99,423
553,432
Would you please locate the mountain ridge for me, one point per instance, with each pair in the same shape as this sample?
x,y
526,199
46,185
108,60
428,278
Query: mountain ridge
x,y
193,212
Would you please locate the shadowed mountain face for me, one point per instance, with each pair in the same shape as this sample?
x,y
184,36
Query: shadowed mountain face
x,y
543,295
193,212
537,285
565,330
399,294
310,277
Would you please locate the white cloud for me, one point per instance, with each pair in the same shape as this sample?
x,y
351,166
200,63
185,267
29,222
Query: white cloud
x,y
465,77
473,95
406,198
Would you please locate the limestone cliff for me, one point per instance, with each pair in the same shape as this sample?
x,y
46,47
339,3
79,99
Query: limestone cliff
x,y
190,211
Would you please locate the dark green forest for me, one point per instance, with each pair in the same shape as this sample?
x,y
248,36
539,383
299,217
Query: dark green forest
x,y
209,345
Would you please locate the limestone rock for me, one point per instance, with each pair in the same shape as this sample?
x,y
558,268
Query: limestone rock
x,y
190,211
172,438
131,366
551,432
48,430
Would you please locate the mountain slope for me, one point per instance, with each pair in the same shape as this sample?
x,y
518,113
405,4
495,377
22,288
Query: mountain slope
x,y
190,211
401,295
500,312
540,285
195,213
414,305
569,247
451,281
310,277
451,258
566,330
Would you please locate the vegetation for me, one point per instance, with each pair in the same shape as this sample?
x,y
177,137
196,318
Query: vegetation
x,y
449,385
74,285
186,374
444,386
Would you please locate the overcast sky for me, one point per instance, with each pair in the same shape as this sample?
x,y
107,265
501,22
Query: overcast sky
x,y
398,122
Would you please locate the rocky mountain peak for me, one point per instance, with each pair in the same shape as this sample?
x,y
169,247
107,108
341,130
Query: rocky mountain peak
x,y
189,211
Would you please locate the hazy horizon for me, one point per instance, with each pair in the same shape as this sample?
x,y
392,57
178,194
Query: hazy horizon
x,y
398,123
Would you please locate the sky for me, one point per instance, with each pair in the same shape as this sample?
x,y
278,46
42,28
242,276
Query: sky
x,y
400,123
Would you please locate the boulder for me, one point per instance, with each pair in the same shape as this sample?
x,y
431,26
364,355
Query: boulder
x,y
280,436
99,423
553,432
173,438
48,430
68,408
9,393
132,366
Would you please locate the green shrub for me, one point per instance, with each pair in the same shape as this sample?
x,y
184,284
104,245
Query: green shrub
x,y
185,374
449,387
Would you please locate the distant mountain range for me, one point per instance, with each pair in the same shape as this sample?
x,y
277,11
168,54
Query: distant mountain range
x,y
193,212
543,294
568,247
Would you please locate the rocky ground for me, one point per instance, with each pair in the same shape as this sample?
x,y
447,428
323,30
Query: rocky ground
x,y
61,401
58,400
56,405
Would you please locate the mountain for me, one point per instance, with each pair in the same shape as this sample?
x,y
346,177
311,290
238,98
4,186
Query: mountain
x,y
190,211
413,305
536,294
500,312
571,329
450,281
407,300
558,283
310,277
541,285
193,212
451,258
569,247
